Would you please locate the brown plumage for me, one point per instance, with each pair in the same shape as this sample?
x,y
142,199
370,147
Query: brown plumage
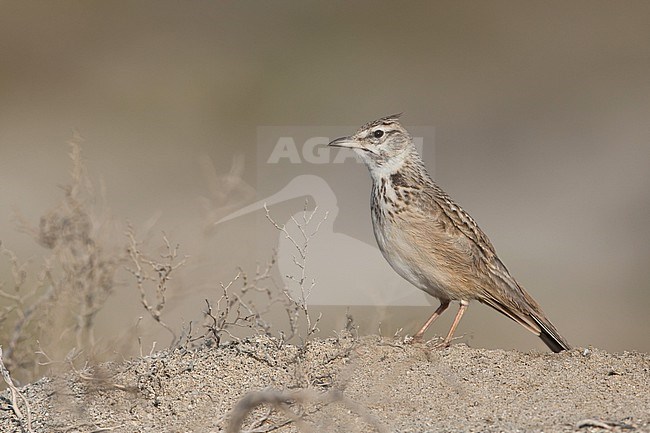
x,y
431,241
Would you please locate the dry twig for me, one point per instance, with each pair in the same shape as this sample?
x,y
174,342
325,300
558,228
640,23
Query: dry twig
x,y
233,311
162,271
281,400
24,419
304,284
61,303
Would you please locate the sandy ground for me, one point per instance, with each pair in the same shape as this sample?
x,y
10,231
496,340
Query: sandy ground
x,y
345,384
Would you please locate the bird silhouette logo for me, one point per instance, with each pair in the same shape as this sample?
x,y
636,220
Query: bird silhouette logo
x,y
347,270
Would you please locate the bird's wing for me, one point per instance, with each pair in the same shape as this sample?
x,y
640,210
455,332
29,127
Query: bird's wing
x,y
502,291
464,223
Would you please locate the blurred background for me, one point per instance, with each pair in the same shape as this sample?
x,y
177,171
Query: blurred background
x,y
541,112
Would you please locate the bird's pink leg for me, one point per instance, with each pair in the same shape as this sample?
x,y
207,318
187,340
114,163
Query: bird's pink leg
x,y
443,306
461,310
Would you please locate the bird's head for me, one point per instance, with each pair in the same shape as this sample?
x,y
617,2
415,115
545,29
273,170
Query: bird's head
x,y
382,144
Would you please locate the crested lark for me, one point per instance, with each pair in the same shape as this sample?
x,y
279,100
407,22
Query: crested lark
x,y
431,241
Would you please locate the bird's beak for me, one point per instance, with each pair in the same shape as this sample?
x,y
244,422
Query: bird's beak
x,y
349,142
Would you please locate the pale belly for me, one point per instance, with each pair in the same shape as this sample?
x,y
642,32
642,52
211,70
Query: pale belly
x,y
423,272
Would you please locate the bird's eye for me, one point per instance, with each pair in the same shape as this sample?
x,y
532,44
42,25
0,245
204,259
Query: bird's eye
x,y
378,133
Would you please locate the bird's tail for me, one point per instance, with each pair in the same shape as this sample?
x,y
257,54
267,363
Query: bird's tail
x,y
549,335
528,313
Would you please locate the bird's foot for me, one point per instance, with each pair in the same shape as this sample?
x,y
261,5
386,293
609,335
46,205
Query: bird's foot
x,y
416,339
441,344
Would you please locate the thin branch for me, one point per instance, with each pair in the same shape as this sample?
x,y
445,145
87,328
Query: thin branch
x,y
160,279
281,400
26,419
